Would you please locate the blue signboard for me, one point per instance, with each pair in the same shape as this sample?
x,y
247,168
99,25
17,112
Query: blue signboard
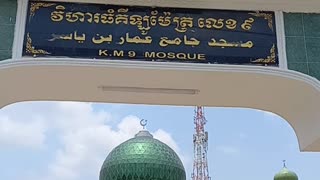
x,y
111,32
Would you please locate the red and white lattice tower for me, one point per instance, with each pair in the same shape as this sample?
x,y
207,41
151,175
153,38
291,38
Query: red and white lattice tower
x,y
200,141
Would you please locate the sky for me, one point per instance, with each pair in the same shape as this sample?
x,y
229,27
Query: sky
x,y
70,140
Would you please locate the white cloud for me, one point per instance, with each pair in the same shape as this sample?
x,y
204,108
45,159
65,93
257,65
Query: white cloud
x,y
129,125
166,138
85,135
21,134
74,115
84,149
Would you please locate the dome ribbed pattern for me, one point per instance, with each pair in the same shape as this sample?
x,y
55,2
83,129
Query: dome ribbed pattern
x,y
142,158
285,174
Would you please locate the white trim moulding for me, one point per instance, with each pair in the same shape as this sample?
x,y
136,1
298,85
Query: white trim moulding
x,y
281,40
19,29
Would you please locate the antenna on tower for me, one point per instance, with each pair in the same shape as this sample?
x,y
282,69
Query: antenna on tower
x,y
200,142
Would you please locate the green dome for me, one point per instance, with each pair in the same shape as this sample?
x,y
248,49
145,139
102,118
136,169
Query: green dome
x,y
285,174
142,157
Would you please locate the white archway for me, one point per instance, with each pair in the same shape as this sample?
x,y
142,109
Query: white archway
x,y
292,95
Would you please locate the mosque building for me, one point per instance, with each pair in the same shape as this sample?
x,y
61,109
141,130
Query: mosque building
x,y
142,158
146,158
286,174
